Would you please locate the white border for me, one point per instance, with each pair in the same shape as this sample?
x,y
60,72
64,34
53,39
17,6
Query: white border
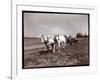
x,y
17,72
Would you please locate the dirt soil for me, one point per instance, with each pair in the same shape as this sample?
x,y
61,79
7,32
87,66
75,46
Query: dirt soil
x,y
36,55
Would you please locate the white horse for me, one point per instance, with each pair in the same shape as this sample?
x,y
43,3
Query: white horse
x,y
48,42
60,40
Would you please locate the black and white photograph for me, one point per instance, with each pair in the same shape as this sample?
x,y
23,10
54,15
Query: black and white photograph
x,y
54,39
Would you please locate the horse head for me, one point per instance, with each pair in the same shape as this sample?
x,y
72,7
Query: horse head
x,y
44,39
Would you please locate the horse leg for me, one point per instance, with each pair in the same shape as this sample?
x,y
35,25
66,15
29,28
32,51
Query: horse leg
x,y
47,47
75,42
53,48
63,45
59,50
70,43
59,47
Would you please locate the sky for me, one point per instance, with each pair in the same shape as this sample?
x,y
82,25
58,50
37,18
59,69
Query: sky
x,y
50,24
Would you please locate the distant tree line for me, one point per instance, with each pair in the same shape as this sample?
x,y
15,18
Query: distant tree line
x,y
80,35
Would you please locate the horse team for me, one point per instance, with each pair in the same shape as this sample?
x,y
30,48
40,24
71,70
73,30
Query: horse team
x,y
58,42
